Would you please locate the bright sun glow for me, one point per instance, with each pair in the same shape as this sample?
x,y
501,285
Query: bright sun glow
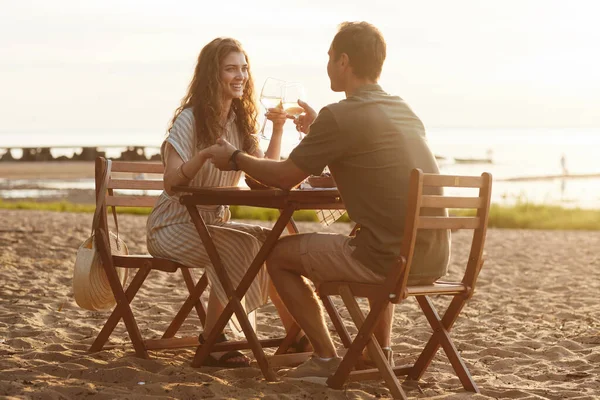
x,y
107,66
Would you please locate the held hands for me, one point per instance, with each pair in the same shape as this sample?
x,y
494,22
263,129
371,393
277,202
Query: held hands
x,y
303,121
220,153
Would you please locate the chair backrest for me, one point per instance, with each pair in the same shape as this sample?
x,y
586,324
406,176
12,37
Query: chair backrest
x,y
129,183
420,200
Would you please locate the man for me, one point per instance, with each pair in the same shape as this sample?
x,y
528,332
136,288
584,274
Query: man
x,y
370,141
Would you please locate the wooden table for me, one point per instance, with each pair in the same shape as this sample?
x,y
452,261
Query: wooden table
x,y
286,202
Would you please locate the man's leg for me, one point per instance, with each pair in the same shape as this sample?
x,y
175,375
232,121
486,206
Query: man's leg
x,y
285,267
383,329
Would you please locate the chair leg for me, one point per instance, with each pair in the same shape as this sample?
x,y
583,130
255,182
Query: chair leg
x,y
441,337
235,306
192,300
123,308
189,282
115,316
334,315
290,337
364,338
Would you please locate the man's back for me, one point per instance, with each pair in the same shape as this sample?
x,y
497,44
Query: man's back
x,y
371,141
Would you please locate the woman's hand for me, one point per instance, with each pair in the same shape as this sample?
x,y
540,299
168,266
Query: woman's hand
x,y
277,116
220,154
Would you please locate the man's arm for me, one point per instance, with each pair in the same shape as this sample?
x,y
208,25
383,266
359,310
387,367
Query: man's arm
x,y
281,174
324,145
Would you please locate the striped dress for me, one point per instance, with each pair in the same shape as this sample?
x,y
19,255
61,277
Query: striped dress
x,y
171,233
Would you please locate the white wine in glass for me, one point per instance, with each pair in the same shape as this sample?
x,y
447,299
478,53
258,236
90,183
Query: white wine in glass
x,y
270,102
270,97
292,92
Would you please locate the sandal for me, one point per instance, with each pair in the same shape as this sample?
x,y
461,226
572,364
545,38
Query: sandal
x,y
301,345
388,354
225,360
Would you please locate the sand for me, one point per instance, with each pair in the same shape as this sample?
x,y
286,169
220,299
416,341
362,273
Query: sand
x,y
47,170
531,331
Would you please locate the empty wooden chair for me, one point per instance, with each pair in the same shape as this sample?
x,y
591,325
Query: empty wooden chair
x,y
395,289
121,174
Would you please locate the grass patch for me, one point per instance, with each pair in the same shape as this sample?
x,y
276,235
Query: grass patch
x,y
520,216
268,214
61,206
536,216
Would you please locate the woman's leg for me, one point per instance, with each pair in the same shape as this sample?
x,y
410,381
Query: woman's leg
x,y
213,311
236,250
286,318
260,233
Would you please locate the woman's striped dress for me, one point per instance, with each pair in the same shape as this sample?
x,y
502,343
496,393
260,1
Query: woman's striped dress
x,y
172,235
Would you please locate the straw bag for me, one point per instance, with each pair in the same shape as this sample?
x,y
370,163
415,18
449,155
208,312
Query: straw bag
x,y
91,288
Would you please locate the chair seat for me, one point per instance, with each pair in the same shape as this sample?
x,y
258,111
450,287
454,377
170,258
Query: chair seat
x,y
439,287
358,289
372,290
146,261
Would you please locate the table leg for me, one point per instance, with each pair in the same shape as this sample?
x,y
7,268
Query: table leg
x,y
294,330
234,305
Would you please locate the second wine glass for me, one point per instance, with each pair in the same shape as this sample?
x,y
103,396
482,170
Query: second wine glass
x,y
292,92
271,96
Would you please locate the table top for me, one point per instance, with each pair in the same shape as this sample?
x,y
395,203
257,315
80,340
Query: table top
x,y
271,198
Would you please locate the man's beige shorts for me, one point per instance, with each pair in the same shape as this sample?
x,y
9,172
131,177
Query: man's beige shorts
x,y
328,257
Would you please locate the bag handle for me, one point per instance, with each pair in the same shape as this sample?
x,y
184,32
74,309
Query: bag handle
x,y
101,199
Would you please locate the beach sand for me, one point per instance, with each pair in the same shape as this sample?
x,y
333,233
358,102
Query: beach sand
x,y
531,331
47,170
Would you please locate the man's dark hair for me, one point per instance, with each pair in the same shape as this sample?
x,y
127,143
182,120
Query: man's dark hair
x,y
364,45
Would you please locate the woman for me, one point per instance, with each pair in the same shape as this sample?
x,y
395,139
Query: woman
x,y
219,103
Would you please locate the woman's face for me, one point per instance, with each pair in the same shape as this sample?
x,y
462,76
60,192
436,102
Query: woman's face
x,y
234,75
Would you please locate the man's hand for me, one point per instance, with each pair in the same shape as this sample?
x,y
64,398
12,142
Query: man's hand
x,y
220,154
304,121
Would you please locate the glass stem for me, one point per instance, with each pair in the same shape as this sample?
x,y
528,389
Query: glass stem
x,y
262,130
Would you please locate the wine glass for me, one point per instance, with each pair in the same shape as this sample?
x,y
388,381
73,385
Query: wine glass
x,y
292,92
270,97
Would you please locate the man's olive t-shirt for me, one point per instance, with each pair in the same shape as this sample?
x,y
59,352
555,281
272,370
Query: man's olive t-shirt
x,y
371,141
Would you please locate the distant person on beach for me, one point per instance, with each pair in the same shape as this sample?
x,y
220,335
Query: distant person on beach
x,y
371,141
563,164
219,104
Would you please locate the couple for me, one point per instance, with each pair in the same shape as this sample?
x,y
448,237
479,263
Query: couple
x,y
370,141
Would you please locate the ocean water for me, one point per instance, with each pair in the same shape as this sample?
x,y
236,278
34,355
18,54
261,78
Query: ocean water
x,y
527,153
515,153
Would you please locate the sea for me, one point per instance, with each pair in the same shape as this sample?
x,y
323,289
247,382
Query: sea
x,y
541,166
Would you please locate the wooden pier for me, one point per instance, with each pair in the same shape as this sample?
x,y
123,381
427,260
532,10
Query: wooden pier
x,y
81,153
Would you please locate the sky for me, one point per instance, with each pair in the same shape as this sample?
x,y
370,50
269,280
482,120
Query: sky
x,y
121,67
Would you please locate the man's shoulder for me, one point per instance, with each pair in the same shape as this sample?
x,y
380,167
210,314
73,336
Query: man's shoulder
x,y
369,98
340,107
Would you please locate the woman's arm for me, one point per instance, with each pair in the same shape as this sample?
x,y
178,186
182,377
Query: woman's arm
x,y
278,117
179,173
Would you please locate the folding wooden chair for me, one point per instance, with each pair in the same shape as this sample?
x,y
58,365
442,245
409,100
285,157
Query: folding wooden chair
x,y
395,288
144,263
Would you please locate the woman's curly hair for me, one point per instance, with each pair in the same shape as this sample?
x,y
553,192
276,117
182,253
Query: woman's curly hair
x,y
204,97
